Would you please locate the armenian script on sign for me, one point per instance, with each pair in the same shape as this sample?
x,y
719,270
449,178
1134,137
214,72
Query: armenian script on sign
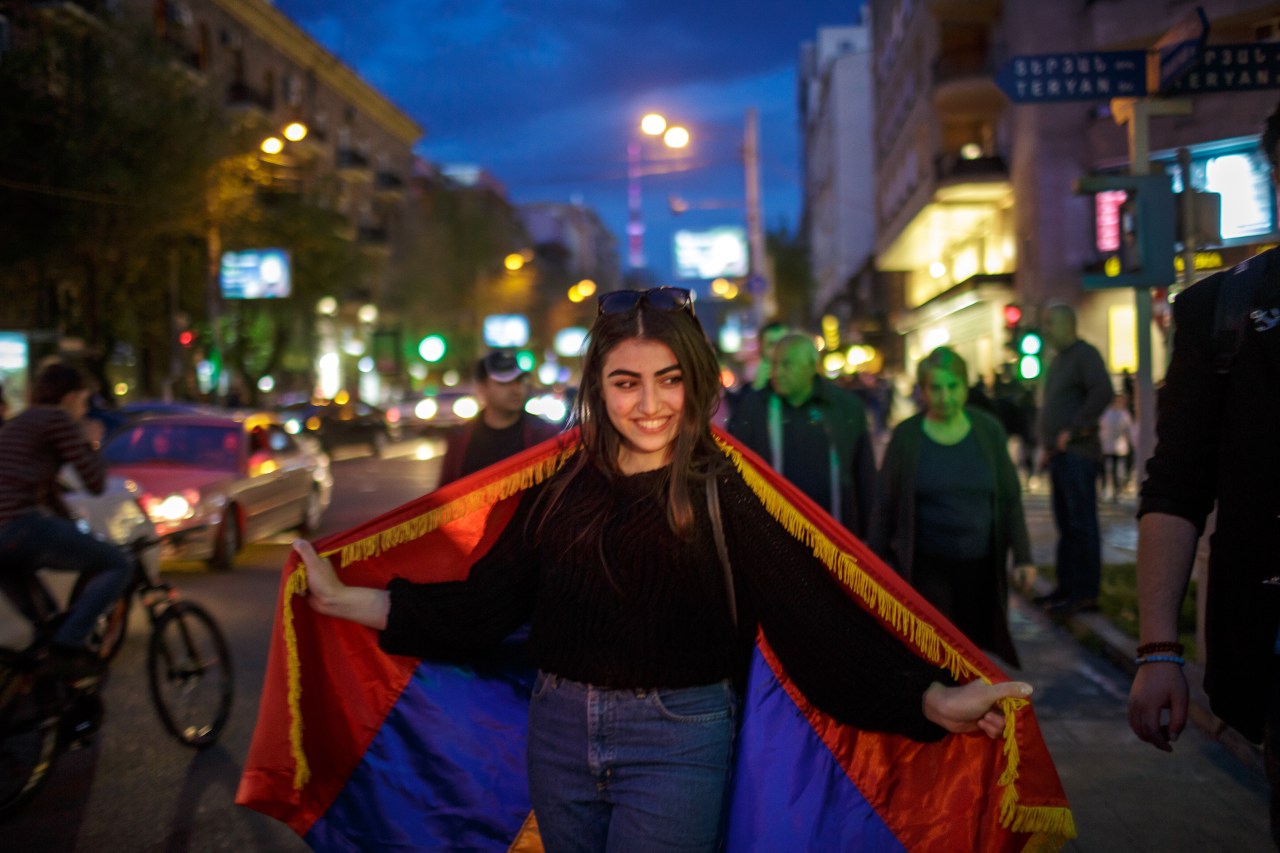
x,y
1234,68
1091,76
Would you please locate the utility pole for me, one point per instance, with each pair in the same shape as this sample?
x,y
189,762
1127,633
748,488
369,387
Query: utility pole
x,y
759,281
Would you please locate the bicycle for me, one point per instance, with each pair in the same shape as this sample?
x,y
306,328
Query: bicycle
x,y
41,716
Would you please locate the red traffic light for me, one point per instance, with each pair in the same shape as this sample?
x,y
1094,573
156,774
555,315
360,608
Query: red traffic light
x,y
1012,316
186,337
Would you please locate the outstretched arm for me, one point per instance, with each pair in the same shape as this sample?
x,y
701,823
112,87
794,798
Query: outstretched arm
x,y
330,596
971,707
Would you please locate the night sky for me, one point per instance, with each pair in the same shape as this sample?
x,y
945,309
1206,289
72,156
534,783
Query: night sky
x,y
546,94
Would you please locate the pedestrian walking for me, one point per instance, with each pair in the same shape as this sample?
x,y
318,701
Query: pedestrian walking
x,y
813,433
948,512
502,428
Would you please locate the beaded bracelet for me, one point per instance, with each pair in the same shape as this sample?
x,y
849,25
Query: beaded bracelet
x,y
1178,659
1164,646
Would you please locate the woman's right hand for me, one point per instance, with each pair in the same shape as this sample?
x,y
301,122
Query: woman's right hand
x,y
330,596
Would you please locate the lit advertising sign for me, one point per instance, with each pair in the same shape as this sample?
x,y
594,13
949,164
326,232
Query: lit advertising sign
x,y
256,274
717,253
1107,216
503,331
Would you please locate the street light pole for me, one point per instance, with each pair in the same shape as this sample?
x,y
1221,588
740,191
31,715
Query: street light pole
x,y
764,299
635,215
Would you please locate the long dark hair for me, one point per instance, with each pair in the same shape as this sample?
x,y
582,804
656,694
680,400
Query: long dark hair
x,y
693,454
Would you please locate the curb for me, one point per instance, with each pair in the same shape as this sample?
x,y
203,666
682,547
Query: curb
x,y
1093,629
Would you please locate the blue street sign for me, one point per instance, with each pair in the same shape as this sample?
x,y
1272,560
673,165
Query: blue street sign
x,y
1180,49
1233,68
1096,75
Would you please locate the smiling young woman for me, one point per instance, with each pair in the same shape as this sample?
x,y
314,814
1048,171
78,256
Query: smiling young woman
x,y
640,640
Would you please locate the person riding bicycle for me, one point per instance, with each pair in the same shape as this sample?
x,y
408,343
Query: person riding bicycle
x,y
36,530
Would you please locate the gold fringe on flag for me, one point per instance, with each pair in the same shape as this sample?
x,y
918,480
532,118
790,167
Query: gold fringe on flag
x,y
1052,825
377,543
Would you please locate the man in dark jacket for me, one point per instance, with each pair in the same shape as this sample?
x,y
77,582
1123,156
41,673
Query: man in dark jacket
x,y
1218,416
1077,390
503,427
812,433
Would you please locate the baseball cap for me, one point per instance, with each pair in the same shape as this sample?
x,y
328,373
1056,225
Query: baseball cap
x,y
498,366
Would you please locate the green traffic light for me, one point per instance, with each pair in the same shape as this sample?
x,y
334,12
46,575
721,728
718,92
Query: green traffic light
x,y
1030,344
432,348
1029,367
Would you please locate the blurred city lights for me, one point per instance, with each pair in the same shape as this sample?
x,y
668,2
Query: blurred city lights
x,y
368,313
432,348
272,145
833,362
451,378
426,409
466,407
266,384
327,305
937,269
329,373
121,388
676,137
365,365
513,261
295,131
587,287
653,124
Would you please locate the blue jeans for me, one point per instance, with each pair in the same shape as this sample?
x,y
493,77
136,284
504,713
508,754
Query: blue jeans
x,y
630,770
1074,482
39,541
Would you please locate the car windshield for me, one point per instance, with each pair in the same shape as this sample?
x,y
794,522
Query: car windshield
x,y
202,446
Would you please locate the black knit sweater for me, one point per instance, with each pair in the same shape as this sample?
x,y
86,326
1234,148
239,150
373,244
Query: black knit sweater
x,y
654,612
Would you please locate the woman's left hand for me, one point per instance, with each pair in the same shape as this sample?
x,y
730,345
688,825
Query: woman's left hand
x,y
971,706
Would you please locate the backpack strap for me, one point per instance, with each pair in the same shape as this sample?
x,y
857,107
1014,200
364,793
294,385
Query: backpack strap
x,y
1237,294
717,528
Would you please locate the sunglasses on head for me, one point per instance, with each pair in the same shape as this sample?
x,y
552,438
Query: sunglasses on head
x,y
660,298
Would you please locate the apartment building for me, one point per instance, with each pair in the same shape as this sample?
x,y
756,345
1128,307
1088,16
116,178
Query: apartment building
x,y
837,124
975,206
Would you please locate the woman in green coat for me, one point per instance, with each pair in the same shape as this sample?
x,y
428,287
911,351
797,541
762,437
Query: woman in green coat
x,y
949,507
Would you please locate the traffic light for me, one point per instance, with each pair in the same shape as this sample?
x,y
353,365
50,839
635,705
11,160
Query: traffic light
x,y
1030,353
1143,252
1012,315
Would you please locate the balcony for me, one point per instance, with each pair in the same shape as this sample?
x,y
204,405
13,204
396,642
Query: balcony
x,y
964,80
978,179
388,185
92,12
374,240
352,165
241,97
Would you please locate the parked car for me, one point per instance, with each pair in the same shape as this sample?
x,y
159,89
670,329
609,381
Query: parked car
x,y
212,482
341,424
435,412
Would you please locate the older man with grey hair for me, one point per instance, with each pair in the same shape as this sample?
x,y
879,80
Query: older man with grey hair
x,y
812,433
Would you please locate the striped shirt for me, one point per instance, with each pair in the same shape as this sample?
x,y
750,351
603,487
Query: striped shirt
x,y
33,448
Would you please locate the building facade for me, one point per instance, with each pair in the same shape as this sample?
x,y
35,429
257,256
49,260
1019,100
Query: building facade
x,y
975,198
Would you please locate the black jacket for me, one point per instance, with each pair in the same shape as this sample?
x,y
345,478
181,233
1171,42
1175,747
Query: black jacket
x,y
1217,441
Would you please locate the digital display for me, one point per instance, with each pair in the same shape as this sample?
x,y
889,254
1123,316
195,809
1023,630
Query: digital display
x,y
256,274
717,253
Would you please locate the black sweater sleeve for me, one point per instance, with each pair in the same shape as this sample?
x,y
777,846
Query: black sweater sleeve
x,y
840,657
456,620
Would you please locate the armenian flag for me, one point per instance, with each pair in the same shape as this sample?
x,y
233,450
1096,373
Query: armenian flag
x,y
356,749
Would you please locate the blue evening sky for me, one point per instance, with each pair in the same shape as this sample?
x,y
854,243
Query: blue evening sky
x,y
545,94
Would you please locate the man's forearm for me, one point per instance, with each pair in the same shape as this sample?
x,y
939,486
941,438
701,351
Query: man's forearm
x,y
1166,552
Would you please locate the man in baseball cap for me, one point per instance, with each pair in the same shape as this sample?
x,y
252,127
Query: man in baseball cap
x,y
502,428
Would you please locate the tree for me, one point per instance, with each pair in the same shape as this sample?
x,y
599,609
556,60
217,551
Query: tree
x,y
792,276
105,147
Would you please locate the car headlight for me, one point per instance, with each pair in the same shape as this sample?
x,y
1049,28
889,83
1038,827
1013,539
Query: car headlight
x,y
176,506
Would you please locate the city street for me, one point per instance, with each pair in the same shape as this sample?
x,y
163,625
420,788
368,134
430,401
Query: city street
x,y
135,789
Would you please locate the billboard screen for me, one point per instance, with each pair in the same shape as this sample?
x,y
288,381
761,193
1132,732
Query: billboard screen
x,y
506,330
717,253
256,274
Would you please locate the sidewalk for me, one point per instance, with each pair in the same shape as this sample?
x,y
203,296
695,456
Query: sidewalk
x,y
1119,531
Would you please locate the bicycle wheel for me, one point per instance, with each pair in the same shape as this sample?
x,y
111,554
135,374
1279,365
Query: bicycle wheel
x,y
189,670
28,737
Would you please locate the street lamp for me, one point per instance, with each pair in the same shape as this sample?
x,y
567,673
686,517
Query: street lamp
x,y
674,137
